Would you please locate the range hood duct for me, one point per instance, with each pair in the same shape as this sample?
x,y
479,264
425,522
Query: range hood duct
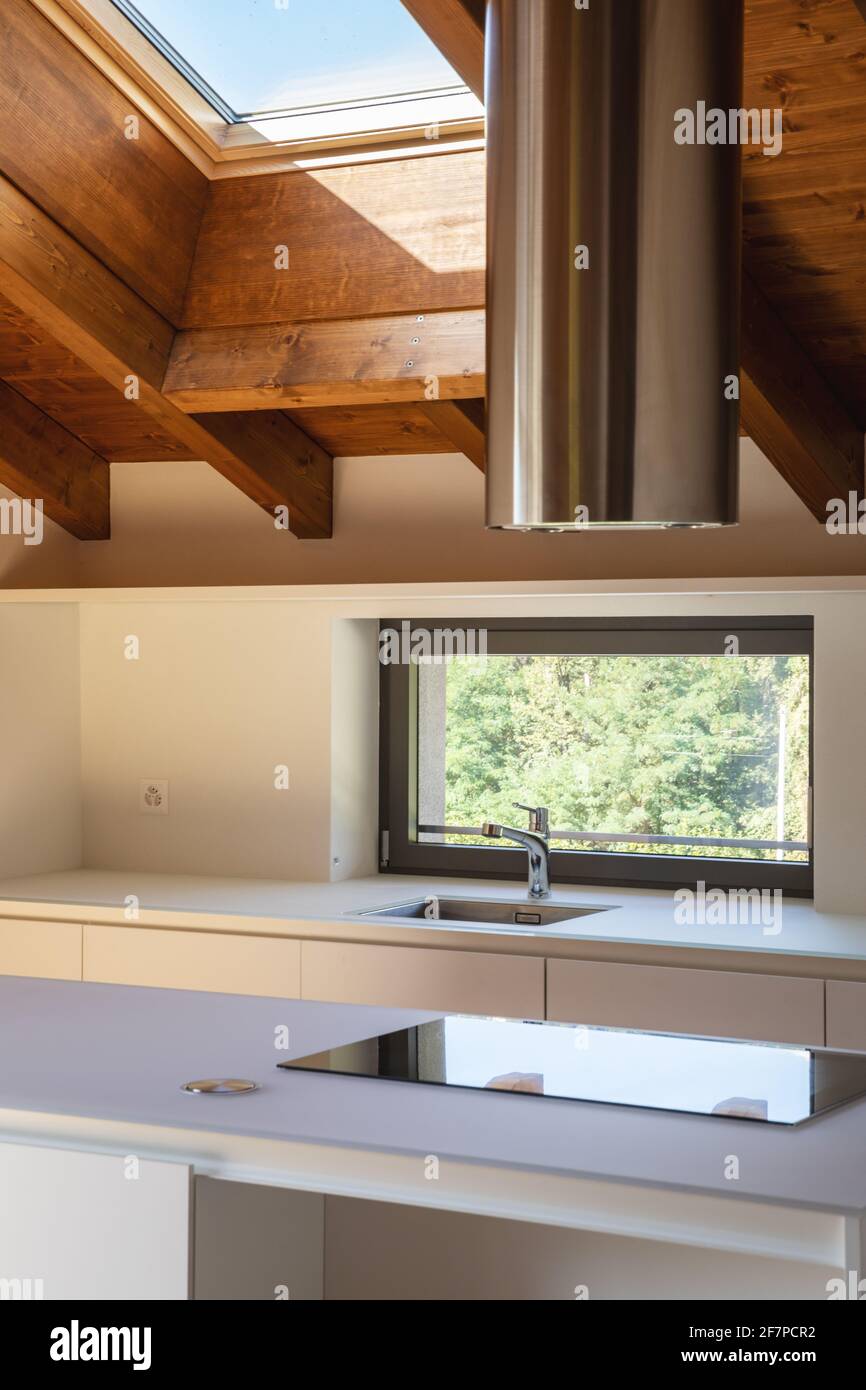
x,y
610,401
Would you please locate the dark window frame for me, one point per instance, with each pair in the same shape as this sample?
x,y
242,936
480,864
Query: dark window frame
x,y
401,854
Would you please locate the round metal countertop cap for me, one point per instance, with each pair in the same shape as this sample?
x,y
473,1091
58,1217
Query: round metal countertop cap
x,y
220,1086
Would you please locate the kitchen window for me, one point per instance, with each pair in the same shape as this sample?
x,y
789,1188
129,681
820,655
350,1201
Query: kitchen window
x,y
669,751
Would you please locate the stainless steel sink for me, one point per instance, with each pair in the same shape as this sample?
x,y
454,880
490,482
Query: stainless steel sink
x,y
520,913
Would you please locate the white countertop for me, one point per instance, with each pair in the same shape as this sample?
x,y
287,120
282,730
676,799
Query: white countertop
x,y
118,1054
636,925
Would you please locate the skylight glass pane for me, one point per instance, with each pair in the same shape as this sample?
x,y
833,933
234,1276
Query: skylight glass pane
x,y
262,56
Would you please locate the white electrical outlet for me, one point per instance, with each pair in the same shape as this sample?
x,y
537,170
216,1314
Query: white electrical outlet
x,y
153,797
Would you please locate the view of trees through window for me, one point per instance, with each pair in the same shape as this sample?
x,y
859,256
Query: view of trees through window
x,y
694,747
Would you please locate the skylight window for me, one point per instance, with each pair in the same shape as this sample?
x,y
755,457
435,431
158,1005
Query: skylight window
x,y
311,67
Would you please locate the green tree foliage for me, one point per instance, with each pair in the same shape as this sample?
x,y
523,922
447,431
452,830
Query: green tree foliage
x,y
659,745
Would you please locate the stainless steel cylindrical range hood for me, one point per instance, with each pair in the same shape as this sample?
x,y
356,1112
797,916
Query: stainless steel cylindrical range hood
x,y
613,263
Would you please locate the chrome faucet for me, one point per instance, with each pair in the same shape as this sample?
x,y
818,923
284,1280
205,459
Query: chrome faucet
x,y
537,842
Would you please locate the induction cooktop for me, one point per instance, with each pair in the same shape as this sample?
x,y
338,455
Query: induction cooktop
x,y
768,1082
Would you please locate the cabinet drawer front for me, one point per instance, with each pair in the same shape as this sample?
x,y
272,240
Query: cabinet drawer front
x,y
715,1003
846,1015
220,963
417,978
50,950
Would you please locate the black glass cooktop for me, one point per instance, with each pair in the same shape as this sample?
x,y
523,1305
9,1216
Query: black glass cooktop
x,y
768,1082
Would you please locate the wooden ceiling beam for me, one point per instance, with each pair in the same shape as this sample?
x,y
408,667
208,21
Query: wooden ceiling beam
x,y
790,412
76,299
80,400
404,236
362,431
464,423
276,464
135,203
41,461
93,314
405,357
457,29
786,406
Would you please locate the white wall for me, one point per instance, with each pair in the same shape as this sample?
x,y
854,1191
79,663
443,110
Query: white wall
x,y
220,696
384,1252
354,686
40,747
225,689
53,564
412,519
839,810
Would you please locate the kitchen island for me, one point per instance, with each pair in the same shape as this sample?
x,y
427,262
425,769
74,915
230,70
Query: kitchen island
x,y
109,1167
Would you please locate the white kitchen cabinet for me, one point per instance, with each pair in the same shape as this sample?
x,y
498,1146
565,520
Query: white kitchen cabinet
x,y
225,964
421,978
714,1003
846,1015
92,1226
50,950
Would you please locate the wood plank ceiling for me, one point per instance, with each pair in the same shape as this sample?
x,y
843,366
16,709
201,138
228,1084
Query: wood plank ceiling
x,y
269,322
